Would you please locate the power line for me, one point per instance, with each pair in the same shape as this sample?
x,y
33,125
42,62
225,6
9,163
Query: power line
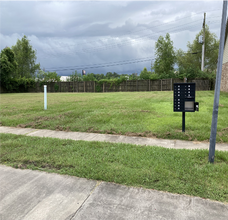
x,y
135,59
107,65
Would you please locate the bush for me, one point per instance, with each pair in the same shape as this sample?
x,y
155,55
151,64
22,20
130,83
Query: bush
x,y
19,85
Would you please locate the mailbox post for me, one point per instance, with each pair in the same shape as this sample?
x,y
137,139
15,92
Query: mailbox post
x,y
184,99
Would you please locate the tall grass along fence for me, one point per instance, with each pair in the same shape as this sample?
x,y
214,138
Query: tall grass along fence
x,y
126,86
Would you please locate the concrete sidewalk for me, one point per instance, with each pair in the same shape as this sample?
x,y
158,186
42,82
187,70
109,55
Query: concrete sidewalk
x,y
27,194
177,144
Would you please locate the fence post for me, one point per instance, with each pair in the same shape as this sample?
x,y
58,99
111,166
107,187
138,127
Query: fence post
x,y
136,85
126,85
149,84
94,85
84,86
103,86
161,84
171,84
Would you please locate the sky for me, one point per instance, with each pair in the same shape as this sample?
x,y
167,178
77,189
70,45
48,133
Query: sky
x,y
103,36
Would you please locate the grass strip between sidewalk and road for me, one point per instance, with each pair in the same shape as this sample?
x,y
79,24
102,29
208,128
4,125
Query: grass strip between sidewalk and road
x,y
177,171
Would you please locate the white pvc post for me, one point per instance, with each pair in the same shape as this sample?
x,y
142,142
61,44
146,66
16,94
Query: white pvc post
x,y
45,97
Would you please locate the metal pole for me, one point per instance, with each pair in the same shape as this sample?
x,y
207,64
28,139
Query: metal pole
x,y
203,46
183,121
217,86
45,97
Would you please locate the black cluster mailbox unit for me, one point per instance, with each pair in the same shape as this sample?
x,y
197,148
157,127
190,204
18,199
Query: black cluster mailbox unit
x,y
184,99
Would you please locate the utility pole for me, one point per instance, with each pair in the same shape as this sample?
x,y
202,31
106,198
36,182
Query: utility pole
x,y
203,46
217,86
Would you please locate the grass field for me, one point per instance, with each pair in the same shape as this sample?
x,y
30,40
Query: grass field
x,y
139,114
148,114
176,171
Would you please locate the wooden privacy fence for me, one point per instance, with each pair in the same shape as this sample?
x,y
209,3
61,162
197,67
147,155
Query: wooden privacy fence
x,y
126,86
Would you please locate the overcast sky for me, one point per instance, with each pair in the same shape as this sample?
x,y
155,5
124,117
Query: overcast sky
x,y
103,36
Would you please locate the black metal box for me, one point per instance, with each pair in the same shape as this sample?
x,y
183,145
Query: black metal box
x,y
184,97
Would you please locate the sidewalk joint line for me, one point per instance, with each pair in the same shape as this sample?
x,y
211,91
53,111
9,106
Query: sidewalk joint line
x,y
98,183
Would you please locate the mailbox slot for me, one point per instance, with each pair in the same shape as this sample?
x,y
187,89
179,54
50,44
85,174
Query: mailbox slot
x,y
189,106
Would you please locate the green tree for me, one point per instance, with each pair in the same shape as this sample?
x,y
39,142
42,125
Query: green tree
x,y
145,74
164,55
26,59
74,77
47,76
8,66
99,76
110,75
133,76
89,77
193,57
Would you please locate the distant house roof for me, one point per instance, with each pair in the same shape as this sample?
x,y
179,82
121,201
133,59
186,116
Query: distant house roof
x,y
64,78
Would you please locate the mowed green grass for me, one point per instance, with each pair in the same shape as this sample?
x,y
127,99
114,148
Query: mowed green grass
x,y
177,171
148,114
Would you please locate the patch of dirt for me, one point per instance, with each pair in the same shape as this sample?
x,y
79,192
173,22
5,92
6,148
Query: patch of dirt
x,y
59,116
189,137
48,166
26,164
91,130
220,105
22,166
68,113
31,124
110,132
225,129
41,118
141,134
59,128
21,126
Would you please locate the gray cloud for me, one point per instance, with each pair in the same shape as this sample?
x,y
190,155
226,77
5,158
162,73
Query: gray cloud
x,y
67,34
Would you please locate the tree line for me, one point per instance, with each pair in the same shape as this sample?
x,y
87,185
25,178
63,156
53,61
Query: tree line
x,y
18,65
